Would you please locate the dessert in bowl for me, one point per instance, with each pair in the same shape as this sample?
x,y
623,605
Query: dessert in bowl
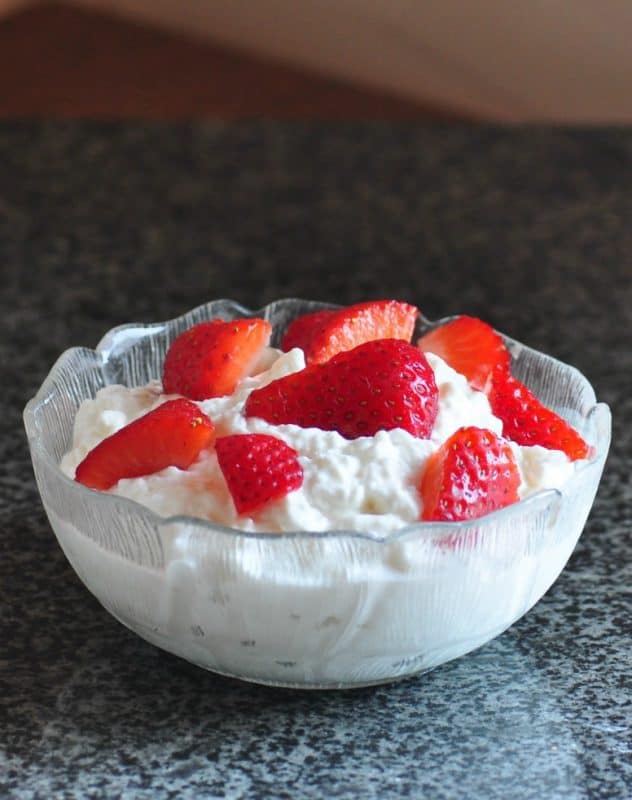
x,y
336,582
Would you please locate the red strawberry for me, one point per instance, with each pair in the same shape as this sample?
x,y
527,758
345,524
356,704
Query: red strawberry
x,y
211,358
302,330
472,473
258,469
468,345
324,333
377,386
171,435
528,422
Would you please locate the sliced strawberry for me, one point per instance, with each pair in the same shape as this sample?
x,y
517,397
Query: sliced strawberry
x,y
473,473
302,330
324,333
172,435
211,358
258,469
526,421
468,345
377,386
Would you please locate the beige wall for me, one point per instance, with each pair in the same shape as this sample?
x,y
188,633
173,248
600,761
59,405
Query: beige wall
x,y
562,60
566,60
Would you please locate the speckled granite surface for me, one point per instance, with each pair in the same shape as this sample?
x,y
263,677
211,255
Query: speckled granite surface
x,y
529,229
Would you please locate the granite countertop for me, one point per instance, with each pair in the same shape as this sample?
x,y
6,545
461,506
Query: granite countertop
x,y
530,229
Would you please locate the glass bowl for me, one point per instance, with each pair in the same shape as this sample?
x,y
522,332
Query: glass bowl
x,y
303,609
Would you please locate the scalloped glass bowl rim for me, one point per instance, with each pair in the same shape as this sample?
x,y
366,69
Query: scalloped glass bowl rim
x,y
436,530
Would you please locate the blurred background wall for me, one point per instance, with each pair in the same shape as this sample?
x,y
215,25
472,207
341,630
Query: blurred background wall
x,y
10,5
525,60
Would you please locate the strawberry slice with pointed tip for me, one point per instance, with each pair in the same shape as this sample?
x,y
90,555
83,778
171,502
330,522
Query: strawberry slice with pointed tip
x,y
468,345
172,435
258,469
379,385
527,421
323,334
210,359
473,473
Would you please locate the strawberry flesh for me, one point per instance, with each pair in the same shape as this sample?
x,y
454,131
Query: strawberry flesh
x,y
379,385
258,469
210,359
473,473
527,421
323,334
172,435
468,345
302,330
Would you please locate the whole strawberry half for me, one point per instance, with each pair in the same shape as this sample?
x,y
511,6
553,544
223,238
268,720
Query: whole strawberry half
x,y
323,334
468,345
172,435
258,469
527,421
210,359
379,385
473,473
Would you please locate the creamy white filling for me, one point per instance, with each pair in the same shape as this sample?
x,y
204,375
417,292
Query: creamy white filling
x,y
367,484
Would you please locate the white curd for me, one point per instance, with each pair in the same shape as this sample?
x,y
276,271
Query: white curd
x,y
367,484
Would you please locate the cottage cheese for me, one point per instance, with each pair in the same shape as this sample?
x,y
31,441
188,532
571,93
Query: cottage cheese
x,y
367,484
